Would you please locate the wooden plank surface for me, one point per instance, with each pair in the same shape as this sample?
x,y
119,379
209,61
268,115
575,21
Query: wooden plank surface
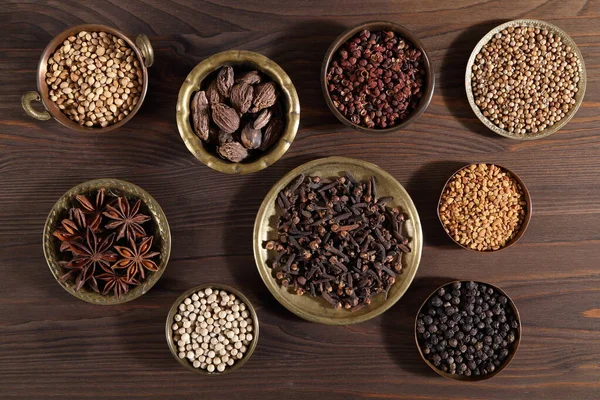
x,y
55,346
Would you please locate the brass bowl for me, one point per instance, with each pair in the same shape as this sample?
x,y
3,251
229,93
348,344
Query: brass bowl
x,y
174,310
317,309
472,378
253,60
580,86
162,235
524,225
142,49
404,33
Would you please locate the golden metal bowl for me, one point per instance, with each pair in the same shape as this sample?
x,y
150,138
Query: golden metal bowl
x,y
472,378
252,60
317,309
174,310
580,86
524,225
377,26
142,49
150,206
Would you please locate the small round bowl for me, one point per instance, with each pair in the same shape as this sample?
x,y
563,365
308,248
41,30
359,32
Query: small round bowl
x,y
174,310
251,60
524,225
472,378
580,86
142,49
377,26
162,235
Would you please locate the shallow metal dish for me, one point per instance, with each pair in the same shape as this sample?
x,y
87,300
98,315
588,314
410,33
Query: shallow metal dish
x,y
174,310
193,82
317,309
472,378
150,206
578,97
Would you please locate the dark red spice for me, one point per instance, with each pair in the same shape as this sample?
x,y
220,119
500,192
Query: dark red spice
x,y
376,79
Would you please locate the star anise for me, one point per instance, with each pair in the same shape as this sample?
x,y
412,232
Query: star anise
x,y
127,218
87,256
137,258
93,210
72,228
119,284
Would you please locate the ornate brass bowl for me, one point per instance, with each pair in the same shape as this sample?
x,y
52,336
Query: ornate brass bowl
x,y
377,26
472,378
256,61
524,225
580,86
142,49
150,206
174,310
317,309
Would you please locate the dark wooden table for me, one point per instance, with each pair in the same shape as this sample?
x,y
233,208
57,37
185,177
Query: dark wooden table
x,y
53,345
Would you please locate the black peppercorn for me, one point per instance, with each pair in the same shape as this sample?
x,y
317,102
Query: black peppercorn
x,y
469,327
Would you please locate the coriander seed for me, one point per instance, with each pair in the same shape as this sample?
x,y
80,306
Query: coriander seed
x,y
525,79
94,78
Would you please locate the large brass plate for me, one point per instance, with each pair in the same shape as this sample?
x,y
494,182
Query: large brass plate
x,y
317,309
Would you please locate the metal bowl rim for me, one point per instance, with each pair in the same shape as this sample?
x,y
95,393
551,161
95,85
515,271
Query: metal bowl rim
x,y
524,225
43,90
174,310
407,35
158,215
286,179
581,85
194,80
464,378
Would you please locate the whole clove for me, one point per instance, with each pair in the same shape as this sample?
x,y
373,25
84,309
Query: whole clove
x,y
337,240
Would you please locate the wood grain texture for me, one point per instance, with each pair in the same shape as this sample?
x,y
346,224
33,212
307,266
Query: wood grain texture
x,y
55,346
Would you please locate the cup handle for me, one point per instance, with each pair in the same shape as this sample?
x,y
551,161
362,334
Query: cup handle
x,y
26,100
143,43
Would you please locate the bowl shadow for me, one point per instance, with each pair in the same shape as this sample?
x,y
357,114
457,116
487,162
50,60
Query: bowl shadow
x,y
398,326
305,46
452,77
425,187
238,238
140,330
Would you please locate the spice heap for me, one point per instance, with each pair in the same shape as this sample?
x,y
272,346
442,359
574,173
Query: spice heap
x,y
467,328
238,114
337,240
482,207
525,79
376,79
94,78
212,330
106,247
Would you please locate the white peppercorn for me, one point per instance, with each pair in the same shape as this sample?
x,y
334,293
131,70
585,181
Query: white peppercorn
x,y
213,334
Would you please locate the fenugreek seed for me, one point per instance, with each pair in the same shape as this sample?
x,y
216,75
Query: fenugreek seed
x,y
487,204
